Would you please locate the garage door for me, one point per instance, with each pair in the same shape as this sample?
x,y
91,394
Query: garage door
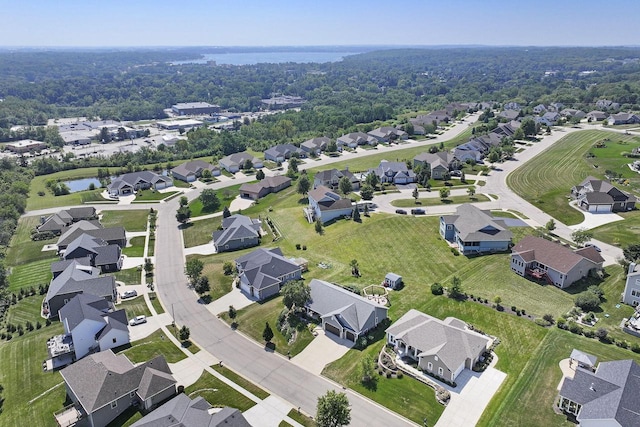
x,y
332,329
160,185
603,208
350,336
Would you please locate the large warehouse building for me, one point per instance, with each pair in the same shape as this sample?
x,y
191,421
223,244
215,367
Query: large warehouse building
x,y
194,108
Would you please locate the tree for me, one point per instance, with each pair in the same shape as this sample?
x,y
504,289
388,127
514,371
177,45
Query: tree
x,y
232,315
260,175
194,269
355,268
303,185
209,199
602,333
632,252
248,164
368,370
587,301
372,179
463,177
293,164
596,290
437,289
356,214
493,156
184,333
104,135
471,191
518,134
528,127
366,192
226,213
227,268
456,288
148,266
183,201
415,194
550,225
581,236
366,209
345,185
444,193
295,294
206,174
183,214
122,134
332,146
318,226
333,410
267,333
202,285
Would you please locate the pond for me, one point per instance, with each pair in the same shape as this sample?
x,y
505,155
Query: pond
x,y
82,184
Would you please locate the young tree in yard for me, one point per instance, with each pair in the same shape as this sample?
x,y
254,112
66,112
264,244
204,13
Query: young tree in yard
x,y
602,333
345,185
232,315
183,214
260,175
355,268
303,185
206,174
456,288
184,333
494,156
227,268
471,191
202,285
295,294
368,370
332,147
293,164
209,199
318,226
444,193
184,201
333,410
366,192
194,270
587,301
148,266
463,177
226,213
581,236
267,334
550,225
366,209
372,180
415,194
518,134
528,127
356,214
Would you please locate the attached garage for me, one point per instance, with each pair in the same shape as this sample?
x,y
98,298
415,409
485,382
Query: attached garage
x,y
350,335
334,330
160,185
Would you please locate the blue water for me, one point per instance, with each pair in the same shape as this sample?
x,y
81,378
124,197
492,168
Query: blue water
x,y
251,58
82,184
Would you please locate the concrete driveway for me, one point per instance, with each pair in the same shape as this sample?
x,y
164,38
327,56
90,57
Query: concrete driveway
x,y
206,249
143,330
593,220
236,298
324,349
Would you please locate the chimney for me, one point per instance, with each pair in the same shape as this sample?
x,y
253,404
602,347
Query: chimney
x,y
43,219
592,387
632,268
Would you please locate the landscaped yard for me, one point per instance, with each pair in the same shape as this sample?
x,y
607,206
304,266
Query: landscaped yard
x,y
22,249
134,306
218,393
48,200
436,201
225,196
196,233
137,247
31,274
129,276
546,180
131,220
213,269
152,195
621,233
154,345
155,302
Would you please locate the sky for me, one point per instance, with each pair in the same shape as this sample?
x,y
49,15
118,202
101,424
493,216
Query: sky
x,y
44,23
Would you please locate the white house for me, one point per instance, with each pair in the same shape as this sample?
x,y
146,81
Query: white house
x,y
631,294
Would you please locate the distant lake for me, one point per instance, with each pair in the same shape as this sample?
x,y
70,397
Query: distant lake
x,y
82,184
251,58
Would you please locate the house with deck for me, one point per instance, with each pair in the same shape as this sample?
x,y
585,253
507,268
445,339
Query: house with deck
x,y
327,205
99,254
631,293
475,231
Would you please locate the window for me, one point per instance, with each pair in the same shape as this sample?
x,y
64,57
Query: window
x,y
449,227
132,394
430,366
440,371
114,340
114,404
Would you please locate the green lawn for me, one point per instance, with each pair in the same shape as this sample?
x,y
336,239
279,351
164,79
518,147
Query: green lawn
x,y
241,381
27,310
197,233
130,276
218,393
152,195
251,321
225,196
131,220
301,418
621,233
152,246
546,180
155,302
22,249
31,274
134,306
137,247
436,201
49,200
154,345
31,395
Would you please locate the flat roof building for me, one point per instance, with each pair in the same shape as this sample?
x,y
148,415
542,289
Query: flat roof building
x,y
193,108
25,146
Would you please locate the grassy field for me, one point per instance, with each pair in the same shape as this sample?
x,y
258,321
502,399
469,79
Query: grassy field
x,y
27,310
218,393
152,195
137,247
131,220
251,321
225,196
22,249
621,233
546,180
154,345
31,274
436,201
134,306
241,381
130,276
197,233
155,302
220,284
49,200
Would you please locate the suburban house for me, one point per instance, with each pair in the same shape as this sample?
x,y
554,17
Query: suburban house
x,y
392,280
352,140
190,171
572,113
605,397
433,118
262,272
270,184
512,105
104,385
394,172
596,195
439,163
539,109
90,325
315,145
234,162
596,116
631,294
476,148
509,114
129,183
331,178
551,117
99,253
342,312
607,104
388,134
238,232
326,205
475,231
507,129
111,235
182,411
556,106
282,152
58,221
623,119
441,347
77,279
553,262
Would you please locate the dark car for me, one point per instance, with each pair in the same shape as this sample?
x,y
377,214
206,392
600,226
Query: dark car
x,y
417,211
401,211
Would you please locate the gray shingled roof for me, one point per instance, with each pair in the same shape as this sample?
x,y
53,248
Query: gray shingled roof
x,y
134,178
59,266
236,227
194,166
84,306
76,278
181,411
263,267
432,336
474,224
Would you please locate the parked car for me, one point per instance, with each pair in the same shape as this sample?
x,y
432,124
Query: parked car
x,y
593,246
138,320
128,294
456,173
417,211
401,211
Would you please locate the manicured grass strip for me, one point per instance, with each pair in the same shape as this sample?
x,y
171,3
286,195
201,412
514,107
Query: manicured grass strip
x,y
155,302
152,195
137,247
154,345
134,306
241,381
504,214
436,201
218,393
130,276
621,233
151,250
301,418
131,220
31,274
251,321
27,310
197,233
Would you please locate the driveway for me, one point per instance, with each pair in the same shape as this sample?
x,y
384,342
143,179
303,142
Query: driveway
x,y
236,298
206,249
324,349
593,220
143,330
240,203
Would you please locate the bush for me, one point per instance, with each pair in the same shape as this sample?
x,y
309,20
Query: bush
x,y
622,343
454,251
437,289
298,246
574,328
513,308
562,323
589,333
601,333
587,301
635,347
547,317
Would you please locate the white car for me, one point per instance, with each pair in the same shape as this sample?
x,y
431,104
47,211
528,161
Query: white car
x,y
138,320
128,294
